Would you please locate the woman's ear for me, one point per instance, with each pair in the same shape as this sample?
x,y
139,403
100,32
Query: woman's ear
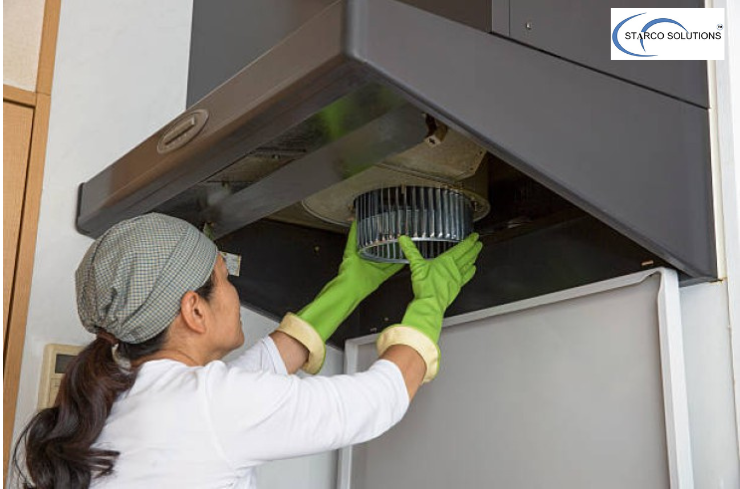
x,y
193,312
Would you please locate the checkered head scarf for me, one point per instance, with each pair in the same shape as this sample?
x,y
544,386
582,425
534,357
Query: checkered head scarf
x,y
132,278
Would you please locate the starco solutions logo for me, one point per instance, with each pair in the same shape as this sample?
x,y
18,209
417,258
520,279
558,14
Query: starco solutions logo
x,y
668,33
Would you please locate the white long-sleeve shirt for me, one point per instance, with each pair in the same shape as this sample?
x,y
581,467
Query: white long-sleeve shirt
x,y
208,427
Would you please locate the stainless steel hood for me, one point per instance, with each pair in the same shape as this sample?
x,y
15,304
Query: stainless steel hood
x,y
623,150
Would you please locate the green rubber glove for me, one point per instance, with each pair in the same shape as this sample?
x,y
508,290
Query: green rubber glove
x,y
436,284
357,278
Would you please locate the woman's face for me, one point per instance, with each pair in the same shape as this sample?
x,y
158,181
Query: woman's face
x,y
225,311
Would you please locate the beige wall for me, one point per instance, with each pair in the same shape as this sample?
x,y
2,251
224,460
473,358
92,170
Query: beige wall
x,y
22,23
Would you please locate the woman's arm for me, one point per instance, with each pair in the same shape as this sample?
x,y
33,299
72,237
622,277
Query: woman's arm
x,y
292,351
259,416
407,359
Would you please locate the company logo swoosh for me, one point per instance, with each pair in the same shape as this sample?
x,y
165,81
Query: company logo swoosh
x,y
619,46
658,21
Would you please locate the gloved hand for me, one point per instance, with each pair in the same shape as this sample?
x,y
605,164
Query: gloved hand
x,y
436,284
316,322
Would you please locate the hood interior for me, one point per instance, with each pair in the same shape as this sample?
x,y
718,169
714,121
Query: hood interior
x,y
535,242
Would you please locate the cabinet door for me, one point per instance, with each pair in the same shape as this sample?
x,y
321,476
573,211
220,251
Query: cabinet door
x,y
579,389
17,124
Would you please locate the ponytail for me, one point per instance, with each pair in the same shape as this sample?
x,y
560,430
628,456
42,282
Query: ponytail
x,y
58,440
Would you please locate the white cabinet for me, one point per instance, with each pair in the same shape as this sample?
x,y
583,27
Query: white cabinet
x,y
578,389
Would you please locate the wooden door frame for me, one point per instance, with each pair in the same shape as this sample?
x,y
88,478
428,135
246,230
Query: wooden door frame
x,y
40,101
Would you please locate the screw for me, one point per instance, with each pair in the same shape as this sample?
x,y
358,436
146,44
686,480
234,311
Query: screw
x,y
528,25
316,249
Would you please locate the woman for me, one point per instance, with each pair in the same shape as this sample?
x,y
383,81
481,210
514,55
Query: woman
x,y
149,403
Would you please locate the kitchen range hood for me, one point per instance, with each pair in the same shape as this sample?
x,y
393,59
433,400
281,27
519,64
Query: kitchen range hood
x,y
580,169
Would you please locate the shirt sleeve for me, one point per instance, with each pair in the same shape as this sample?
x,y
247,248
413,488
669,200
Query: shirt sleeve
x,y
258,417
262,357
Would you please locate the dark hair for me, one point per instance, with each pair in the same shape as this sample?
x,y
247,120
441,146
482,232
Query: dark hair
x,y
57,442
206,290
